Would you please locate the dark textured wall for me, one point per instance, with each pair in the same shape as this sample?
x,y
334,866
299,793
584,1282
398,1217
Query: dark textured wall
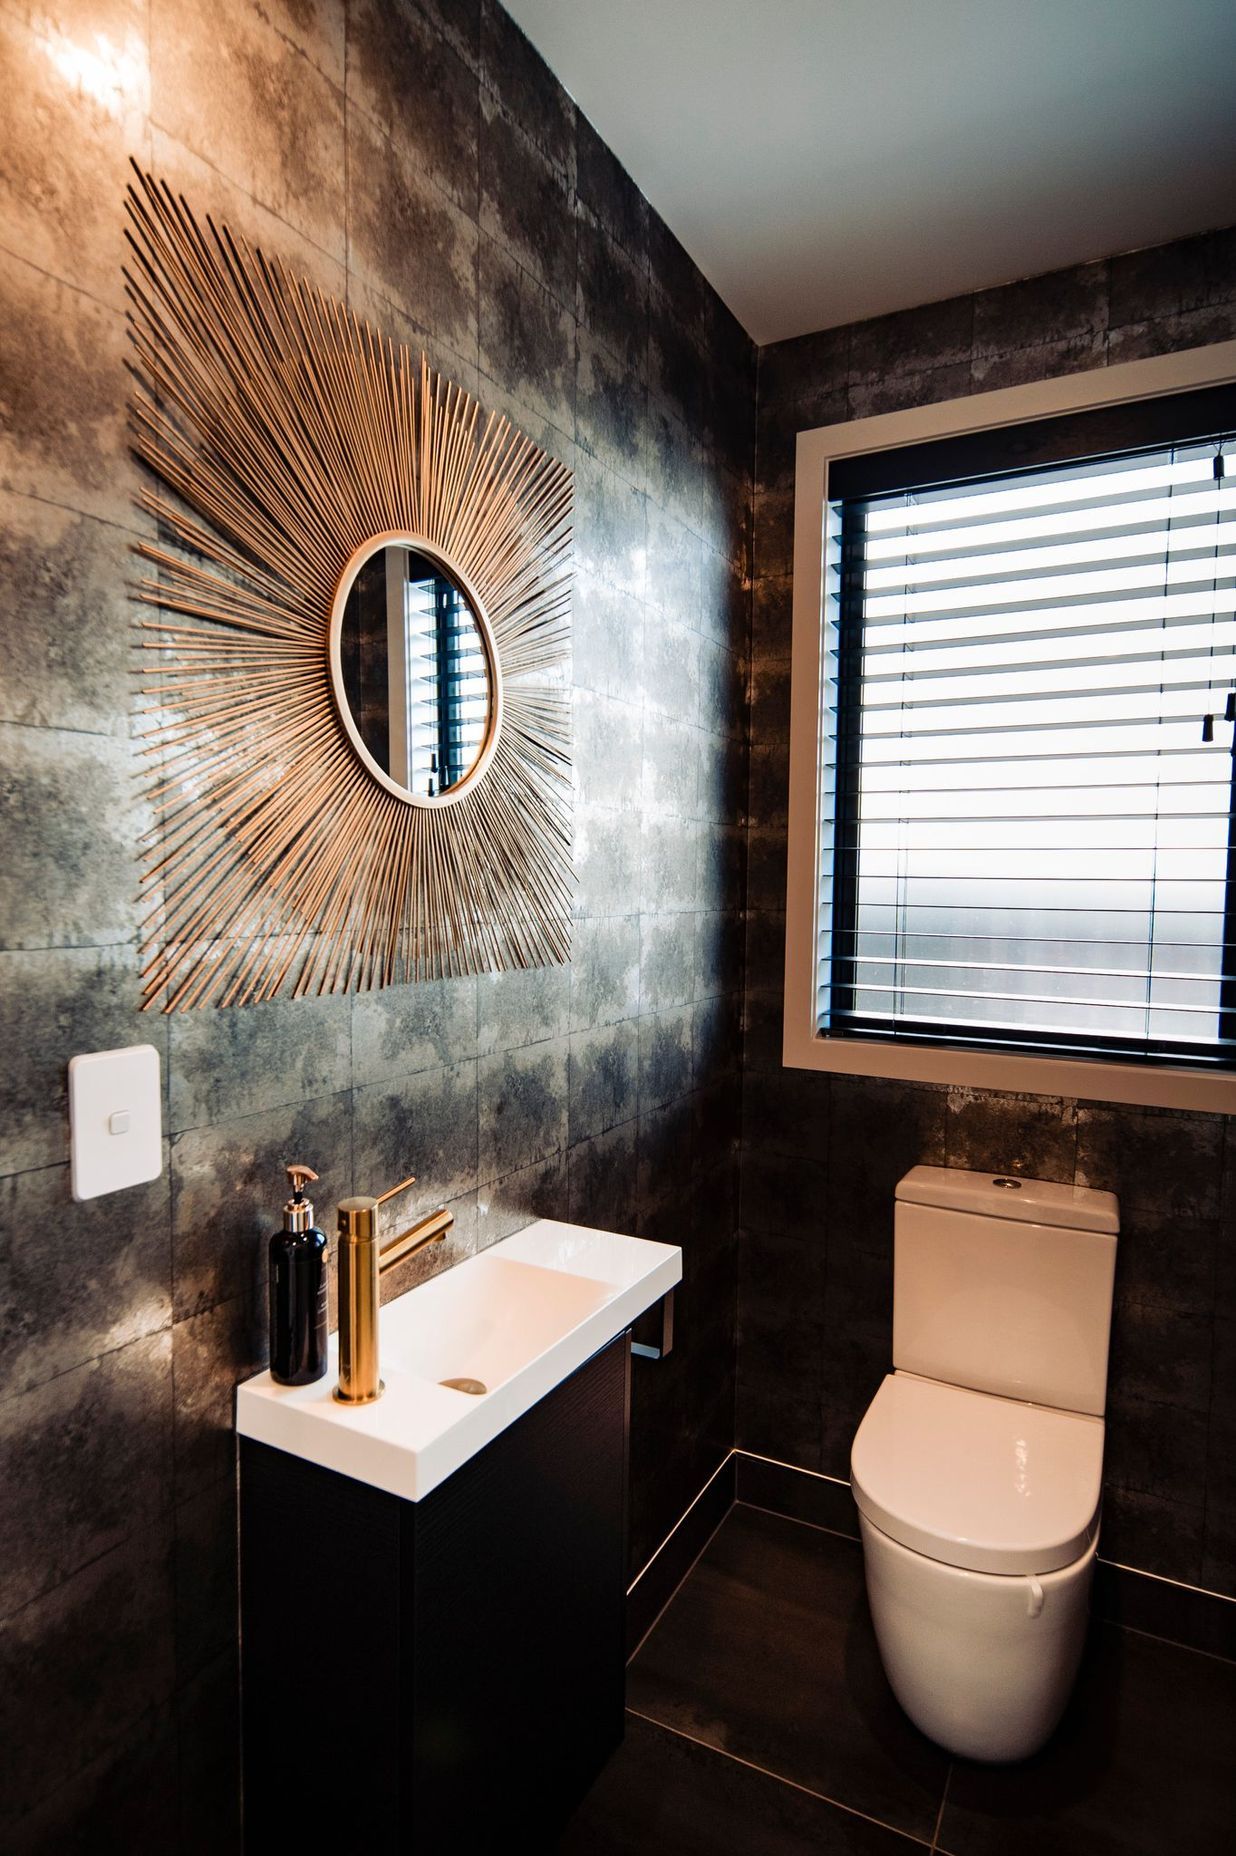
x,y
821,1157
421,162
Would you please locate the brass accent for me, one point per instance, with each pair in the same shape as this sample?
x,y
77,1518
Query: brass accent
x,y
361,1261
475,1387
297,1211
287,434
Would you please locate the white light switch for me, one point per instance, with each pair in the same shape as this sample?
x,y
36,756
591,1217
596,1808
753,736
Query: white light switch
x,y
115,1119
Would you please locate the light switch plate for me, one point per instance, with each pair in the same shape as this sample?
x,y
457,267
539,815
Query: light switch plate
x,y
115,1119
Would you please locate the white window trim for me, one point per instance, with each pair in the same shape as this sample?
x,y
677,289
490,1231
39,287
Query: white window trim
x,y
803,1047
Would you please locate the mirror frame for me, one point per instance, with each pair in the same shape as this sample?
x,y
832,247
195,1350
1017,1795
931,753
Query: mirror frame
x,y
286,438
441,560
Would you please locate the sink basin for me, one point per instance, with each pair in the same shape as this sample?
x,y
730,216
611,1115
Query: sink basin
x,y
508,1325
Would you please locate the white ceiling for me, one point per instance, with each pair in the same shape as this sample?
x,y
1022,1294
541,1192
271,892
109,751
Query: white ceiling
x,y
824,160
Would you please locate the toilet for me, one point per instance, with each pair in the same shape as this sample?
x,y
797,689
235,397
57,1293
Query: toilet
x,y
977,1467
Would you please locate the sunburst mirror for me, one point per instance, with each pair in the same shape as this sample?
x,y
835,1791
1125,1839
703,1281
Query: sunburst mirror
x,y
356,717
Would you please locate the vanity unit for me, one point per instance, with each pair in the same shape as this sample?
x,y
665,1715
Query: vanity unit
x,y
433,1585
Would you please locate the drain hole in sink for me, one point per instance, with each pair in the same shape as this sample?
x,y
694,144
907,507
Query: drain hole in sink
x,y
474,1386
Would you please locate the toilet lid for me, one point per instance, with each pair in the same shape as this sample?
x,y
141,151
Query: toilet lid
x,y
977,1481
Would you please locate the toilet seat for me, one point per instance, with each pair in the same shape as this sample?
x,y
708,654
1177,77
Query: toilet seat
x,y
976,1481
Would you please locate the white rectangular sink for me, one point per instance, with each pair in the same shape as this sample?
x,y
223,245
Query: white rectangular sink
x,y
518,1319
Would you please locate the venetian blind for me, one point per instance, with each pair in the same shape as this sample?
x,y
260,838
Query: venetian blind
x,y
1028,835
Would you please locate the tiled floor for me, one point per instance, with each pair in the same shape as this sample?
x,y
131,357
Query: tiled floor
x,y
760,1722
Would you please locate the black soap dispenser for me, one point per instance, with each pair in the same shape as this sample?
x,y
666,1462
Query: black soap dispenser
x,y
298,1290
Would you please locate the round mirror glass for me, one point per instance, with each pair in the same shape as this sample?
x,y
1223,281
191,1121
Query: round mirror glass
x,y
413,671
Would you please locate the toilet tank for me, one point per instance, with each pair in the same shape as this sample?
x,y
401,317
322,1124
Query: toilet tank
x,y
1005,1285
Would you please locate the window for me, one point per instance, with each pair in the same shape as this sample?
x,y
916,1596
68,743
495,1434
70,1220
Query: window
x,y
1024,760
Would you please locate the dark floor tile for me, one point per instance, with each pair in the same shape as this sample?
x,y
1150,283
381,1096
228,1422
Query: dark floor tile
x,y
663,1793
1141,1764
767,1653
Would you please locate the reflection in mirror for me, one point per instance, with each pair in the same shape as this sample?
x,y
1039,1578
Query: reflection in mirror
x,y
416,673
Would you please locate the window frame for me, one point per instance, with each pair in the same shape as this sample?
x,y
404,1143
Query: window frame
x,y
803,1045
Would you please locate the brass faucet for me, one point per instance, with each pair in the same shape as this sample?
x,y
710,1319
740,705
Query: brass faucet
x,y
360,1263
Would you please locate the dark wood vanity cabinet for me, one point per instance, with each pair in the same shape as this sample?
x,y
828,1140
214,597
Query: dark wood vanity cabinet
x,y
443,1677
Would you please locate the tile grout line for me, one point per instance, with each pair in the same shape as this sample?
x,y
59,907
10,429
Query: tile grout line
x,y
948,1779
778,1778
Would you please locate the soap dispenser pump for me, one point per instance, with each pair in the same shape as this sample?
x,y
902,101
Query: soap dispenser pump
x,y
298,1322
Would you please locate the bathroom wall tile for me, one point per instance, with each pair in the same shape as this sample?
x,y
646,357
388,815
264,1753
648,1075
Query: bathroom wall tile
x,y
665,1057
912,340
716,1038
526,1005
1075,354
611,540
666,961
612,294
508,1204
678,466
225,199
604,971
527,338
607,194
207,1585
607,640
606,859
228,1191
669,788
1059,306
609,739
671,667
1160,1353
63,388
772,617
68,647
793,372
1193,328
1152,1533
900,389
522,1103
1155,1449
69,142
1163,281
604,1079
609,410
424,1124
1167,1261
122,1800
526,202
601,1180
54,1003
403,1029
1152,1161
71,831
408,240
78,1280
718,953
208,1745
1035,1136
418,87
211,1353
669,864
877,1132
515,73
92,1657
86,1461
222,83
229,1063
674,564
